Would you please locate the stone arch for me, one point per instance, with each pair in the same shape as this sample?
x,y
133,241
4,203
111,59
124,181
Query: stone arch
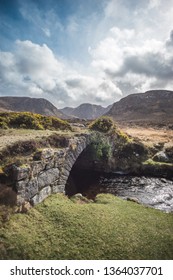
x,y
76,147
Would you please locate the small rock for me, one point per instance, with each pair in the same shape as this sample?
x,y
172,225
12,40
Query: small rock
x,y
163,180
133,199
24,208
78,195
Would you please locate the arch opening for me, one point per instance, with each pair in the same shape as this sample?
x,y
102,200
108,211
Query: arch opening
x,y
84,175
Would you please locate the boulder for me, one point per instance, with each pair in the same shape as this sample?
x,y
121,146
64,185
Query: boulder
x,y
161,157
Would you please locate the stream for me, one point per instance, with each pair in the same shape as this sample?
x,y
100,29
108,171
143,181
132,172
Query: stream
x,y
149,191
153,192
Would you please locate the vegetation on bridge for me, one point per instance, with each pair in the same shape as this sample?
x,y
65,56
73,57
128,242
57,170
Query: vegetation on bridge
x,y
102,124
23,151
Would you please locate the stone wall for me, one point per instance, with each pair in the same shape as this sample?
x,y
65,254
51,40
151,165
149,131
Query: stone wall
x,y
48,172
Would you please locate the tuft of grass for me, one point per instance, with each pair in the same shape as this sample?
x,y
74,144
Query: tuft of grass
x,y
151,162
111,228
124,137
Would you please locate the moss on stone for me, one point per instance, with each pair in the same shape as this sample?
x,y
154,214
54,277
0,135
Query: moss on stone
x,y
156,163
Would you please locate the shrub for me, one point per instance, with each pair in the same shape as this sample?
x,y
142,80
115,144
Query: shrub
x,y
101,147
3,125
102,124
131,150
23,120
57,141
60,124
27,120
7,196
124,137
23,148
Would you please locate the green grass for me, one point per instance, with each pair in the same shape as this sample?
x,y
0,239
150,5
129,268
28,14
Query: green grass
x,y
110,228
151,162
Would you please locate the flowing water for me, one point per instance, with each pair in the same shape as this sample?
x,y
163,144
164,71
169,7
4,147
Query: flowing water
x,y
154,192
150,191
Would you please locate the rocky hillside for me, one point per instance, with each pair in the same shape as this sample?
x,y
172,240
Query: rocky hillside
x,y
151,107
67,111
28,104
86,111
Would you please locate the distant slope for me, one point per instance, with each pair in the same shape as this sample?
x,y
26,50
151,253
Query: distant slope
x,y
28,104
67,111
86,111
152,107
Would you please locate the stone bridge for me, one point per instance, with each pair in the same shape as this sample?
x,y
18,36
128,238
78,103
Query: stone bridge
x,y
48,172
51,170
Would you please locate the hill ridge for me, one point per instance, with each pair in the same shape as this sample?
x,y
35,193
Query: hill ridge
x,y
29,104
153,106
86,111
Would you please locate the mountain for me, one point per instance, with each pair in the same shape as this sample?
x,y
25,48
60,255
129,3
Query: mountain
x,y
67,111
152,107
28,104
86,111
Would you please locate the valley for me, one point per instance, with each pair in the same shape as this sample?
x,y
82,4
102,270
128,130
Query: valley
x,y
107,172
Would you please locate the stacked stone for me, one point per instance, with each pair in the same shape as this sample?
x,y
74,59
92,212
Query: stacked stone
x,y
47,173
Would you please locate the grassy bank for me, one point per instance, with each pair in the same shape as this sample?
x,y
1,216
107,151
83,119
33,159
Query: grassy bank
x,y
110,228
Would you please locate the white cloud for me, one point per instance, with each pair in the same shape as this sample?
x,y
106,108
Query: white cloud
x,y
38,63
124,47
31,67
34,70
154,4
125,57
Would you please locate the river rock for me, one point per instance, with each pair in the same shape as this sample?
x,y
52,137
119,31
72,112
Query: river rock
x,y
161,157
78,195
133,199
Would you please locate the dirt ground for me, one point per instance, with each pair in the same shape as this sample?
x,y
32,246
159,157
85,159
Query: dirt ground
x,y
150,136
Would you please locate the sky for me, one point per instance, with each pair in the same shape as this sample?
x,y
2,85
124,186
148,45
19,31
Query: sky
x,y
85,51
